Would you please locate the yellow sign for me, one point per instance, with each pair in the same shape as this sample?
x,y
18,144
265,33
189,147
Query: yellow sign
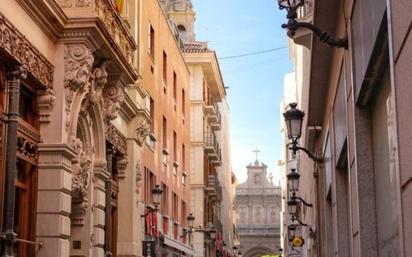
x,y
119,5
297,241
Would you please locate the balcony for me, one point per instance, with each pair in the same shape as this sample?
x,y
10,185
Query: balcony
x,y
214,188
99,20
210,109
216,124
212,149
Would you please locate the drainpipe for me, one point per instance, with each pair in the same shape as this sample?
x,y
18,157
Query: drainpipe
x,y
108,208
8,237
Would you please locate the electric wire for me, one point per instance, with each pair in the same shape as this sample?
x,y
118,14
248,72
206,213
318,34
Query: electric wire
x,y
252,53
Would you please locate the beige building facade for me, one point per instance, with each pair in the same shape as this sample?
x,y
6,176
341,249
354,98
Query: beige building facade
x,y
102,100
210,163
356,111
82,122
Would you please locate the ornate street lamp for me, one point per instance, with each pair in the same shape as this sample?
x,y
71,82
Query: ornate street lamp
x,y
291,7
292,207
294,119
190,220
293,180
157,197
212,233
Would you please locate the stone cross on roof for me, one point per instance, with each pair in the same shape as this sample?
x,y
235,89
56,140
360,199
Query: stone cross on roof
x,y
256,151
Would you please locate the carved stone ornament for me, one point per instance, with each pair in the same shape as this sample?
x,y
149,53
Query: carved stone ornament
x,y
113,96
77,73
139,177
97,83
19,48
80,183
45,102
82,3
78,65
121,166
142,132
66,3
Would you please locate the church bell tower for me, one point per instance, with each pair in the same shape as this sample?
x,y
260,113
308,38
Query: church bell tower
x,y
181,13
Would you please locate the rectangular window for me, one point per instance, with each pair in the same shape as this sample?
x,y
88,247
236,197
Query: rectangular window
x,y
183,102
151,43
174,146
152,115
150,182
175,207
165,200
183,157
174,86
164,133
183,214
164,66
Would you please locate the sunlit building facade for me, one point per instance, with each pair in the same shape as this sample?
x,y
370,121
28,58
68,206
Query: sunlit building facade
x,y
356,108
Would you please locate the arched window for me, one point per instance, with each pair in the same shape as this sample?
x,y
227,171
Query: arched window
x,y
181,28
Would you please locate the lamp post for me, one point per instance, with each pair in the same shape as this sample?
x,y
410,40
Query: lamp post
x,y
293,185
190,220
294,119
291,7
157,197
293,180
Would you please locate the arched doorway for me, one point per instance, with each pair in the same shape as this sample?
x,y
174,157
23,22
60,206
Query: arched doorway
x,y
258,251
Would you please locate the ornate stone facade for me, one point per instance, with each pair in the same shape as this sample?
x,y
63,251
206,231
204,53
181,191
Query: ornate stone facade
x,y
259,205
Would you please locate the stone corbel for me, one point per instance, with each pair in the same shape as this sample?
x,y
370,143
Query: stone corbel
x,y
121,166
45,102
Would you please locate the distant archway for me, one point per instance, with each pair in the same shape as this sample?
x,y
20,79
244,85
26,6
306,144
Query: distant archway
x,y
258,251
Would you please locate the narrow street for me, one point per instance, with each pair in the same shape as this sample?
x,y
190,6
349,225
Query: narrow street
x,y
193,128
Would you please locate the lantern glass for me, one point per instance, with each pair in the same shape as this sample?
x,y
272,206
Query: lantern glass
x,y
292,207
157,195
212,234
290,3
293,119
190,220
293,180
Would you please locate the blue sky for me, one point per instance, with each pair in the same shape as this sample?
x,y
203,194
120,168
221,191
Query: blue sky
x,y
234,27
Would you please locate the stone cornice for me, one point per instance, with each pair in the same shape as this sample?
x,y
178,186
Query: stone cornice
x,y
16,45
43,12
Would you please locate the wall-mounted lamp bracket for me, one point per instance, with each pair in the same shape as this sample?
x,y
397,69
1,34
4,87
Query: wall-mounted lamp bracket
x,y
323,36
150,210
295,147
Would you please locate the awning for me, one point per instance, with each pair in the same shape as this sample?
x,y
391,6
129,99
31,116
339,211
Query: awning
x,y
176,245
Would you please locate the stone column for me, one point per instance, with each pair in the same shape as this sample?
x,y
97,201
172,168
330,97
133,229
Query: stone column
x,y
53,199
99,204
131,226
14,75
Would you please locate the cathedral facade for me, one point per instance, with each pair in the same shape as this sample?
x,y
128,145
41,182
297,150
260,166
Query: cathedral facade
x,y
258,204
